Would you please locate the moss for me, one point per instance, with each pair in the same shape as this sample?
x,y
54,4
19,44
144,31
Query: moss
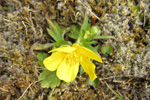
x,y
23,24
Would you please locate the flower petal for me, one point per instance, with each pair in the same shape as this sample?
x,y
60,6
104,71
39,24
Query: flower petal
x,y
88,67
67,72
64,49
86,52
52,62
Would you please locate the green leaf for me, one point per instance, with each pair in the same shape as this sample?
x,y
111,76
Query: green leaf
x,y
95,30
90,48
57,28
61,43
94,83
41,57
104,37
106,49
44,46
120,98
55,31
87,35
52,34
140,17
74,32
136,8
84,26
58,32
88,27
49,79
81,70
89,41
96,47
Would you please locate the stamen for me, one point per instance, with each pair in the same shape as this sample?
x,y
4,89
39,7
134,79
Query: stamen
x,y
72,58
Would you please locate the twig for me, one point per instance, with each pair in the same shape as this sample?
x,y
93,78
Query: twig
x,y
120,98
108,78
25,27
89,10
4,89
51,93
26,90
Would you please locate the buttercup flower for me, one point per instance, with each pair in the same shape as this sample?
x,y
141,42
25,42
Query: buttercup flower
x,y
66,61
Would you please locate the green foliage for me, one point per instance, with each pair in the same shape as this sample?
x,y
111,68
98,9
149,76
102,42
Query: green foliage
x,y
136,8
90,48
94,83
91,31
81,70
56,35
61,43
41,57
55,31
95,30
89,41
84,26
96,47
106,49
87,33
103,37
84,36
49,79
74,32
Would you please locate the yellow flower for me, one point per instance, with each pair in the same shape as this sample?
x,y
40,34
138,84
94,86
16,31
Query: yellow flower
x,y
66,61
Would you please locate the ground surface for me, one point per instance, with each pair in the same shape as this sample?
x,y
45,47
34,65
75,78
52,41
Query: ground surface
x,y
126,70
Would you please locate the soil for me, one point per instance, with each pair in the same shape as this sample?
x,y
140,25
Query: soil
x,y
126,70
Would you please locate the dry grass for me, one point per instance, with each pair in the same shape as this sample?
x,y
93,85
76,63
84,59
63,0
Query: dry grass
x,y
23,23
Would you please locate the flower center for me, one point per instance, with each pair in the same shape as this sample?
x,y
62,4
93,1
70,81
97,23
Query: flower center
x,y
72,58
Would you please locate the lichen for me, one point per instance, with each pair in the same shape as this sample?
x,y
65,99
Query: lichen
x,y
23,23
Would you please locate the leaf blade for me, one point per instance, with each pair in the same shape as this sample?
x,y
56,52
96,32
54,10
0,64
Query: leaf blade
x,y
49,79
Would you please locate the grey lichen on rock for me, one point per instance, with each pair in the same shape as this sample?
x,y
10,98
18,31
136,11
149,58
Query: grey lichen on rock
x,y
127,70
